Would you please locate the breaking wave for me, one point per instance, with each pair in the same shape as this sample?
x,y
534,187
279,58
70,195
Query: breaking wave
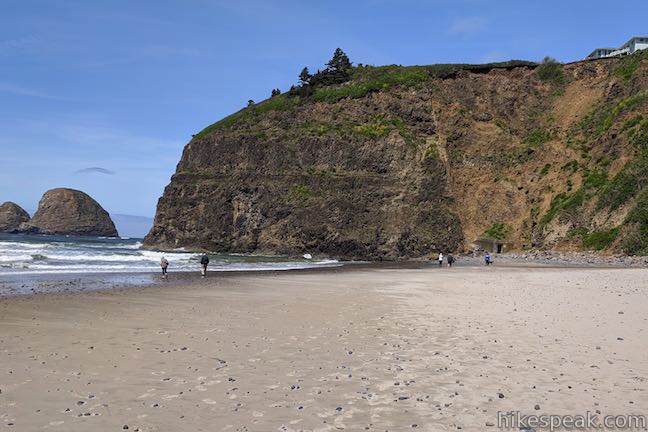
x,y
30,254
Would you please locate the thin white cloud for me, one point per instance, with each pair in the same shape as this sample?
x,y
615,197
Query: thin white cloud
x,y
83,141
146,54
96,170
468,25
6,87
164,51
94,134
7,45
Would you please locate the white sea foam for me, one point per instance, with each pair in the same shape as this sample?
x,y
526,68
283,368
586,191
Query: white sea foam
x,y
139,257
8,246
48,255
14,258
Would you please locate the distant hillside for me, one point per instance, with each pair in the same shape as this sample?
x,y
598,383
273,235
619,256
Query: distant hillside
x,y
132,226
395,162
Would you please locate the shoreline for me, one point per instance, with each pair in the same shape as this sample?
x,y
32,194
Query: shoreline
x,y
52,283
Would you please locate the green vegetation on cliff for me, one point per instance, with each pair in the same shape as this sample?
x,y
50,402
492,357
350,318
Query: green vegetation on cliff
x,y
627,183
280,102
378,128
595,240
636,240
551,70
566,205
302,195
601,119
432,150
341,80
498,231
538,137
369,79
628,65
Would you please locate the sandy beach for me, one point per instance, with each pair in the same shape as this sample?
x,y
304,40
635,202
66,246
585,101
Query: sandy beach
x,y
362,349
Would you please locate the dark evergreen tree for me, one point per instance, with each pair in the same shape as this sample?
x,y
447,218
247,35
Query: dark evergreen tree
x,y
275,92
337,71
340,62
305,77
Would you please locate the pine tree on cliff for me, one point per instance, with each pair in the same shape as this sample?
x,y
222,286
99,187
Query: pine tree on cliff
x,y
340,62
305,77
337,71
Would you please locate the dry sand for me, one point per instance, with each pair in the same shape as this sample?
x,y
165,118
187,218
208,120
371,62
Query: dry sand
x,y
366,349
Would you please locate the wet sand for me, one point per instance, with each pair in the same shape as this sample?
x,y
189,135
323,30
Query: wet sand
x,y
357,349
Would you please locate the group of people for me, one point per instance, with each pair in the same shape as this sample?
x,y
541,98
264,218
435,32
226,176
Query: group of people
x,y
204,262
451,259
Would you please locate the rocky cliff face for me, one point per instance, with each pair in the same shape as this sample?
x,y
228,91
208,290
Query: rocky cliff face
x,y
70,212
400,162
11,216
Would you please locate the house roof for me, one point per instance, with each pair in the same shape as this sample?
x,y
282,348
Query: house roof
x,y
632,39
627,44
601,49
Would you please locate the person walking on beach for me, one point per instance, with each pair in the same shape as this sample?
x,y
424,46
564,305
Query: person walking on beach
x,y
450,260
440,259
487,259
204,261
164,264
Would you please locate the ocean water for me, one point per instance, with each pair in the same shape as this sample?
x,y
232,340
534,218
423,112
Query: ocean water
x,y
34,255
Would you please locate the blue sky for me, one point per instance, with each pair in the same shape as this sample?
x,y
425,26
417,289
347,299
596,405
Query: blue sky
x,y
102,95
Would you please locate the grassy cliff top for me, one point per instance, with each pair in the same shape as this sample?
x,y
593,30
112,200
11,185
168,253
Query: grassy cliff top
x,y
358,82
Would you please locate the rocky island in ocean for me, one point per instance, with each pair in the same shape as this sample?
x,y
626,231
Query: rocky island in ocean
x,y
69,212
11,216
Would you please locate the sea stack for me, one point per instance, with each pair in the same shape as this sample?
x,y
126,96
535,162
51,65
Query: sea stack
x,y
71,212
11,216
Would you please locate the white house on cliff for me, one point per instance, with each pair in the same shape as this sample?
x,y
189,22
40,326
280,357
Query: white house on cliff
x,y
637,43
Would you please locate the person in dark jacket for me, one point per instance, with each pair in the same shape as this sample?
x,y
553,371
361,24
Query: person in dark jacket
x,y
450,260
204,261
